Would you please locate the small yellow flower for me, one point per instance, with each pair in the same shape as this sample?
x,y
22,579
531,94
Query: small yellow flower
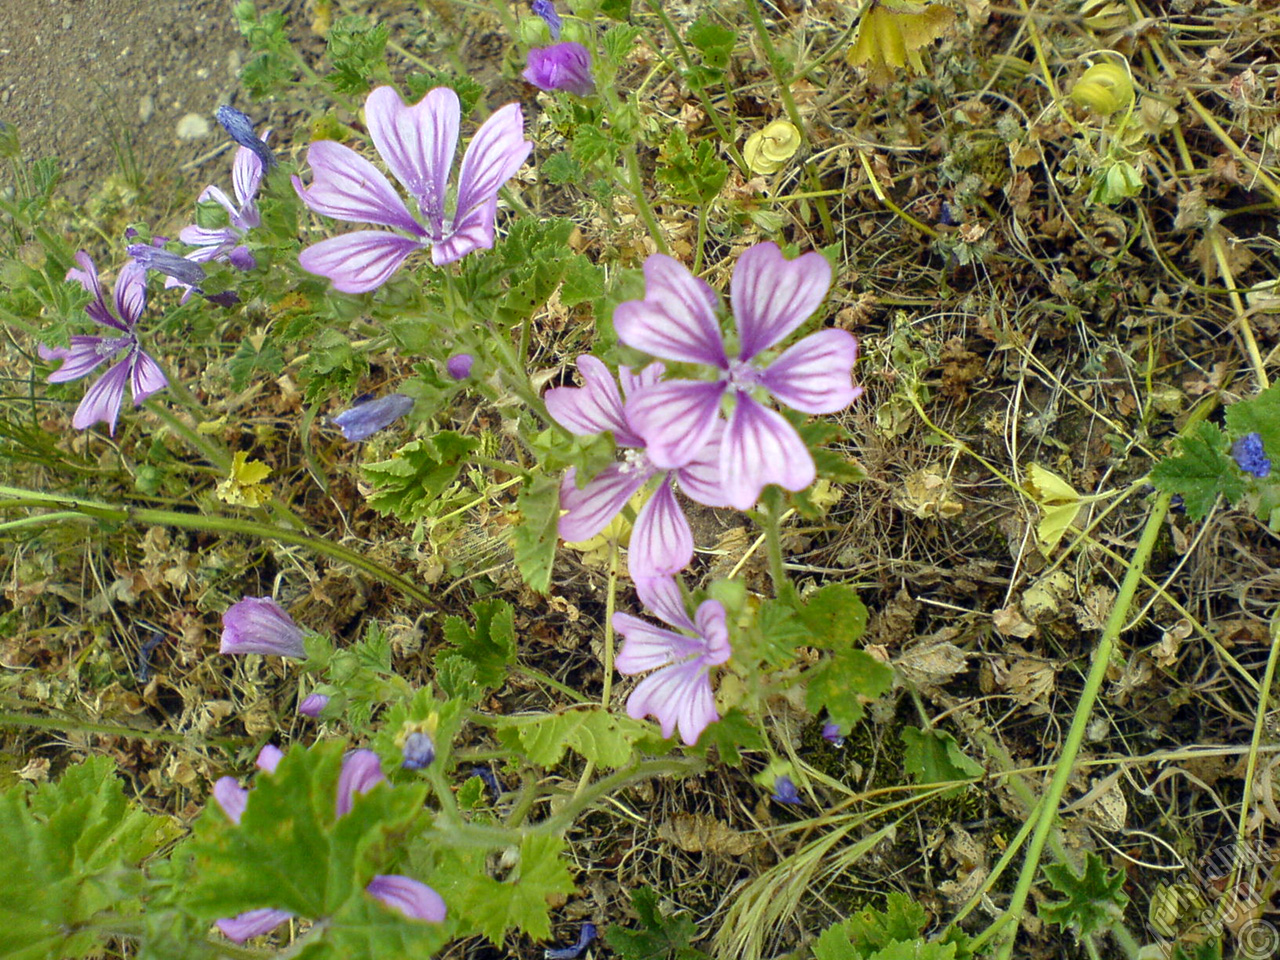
x,y
244,487
768,150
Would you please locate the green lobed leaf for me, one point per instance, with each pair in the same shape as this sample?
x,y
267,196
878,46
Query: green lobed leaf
x,y
1261,415
534,537
332,366
490,647
713,40
469,91
561,168
840,683
1095,897
933,756
616,9
1202,470
658,937
519,901
71,849
250,358
408,484
290,850
604,738
835,616
730,735
695,174
882,934
356,52
618,41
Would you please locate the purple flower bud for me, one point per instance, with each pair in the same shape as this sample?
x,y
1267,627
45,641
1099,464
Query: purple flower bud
x,y
831,734
547,11
565,66
166,262
240,128
313,705
361,772
784,791
459,365
418,751
260,625
585,936
485,774
415,900
1251,457
363,420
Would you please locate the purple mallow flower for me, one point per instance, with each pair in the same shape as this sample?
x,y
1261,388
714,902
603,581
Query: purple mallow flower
x,y
784,791
585,936
102,401
459,365
313,705
1251,457
547,11
564,66
365,419
260,625
662,541
360,773
227,242
678,693
418,145
771,296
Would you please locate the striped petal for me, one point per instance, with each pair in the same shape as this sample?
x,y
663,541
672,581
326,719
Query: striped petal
x,y
662,540
772,295
760,448
813,375
359,261
676,320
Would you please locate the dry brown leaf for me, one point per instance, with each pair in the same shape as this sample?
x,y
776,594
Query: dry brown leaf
x,y
698,832
932,665
1010,622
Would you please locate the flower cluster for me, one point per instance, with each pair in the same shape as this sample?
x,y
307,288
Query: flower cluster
x,y
361,772
712,433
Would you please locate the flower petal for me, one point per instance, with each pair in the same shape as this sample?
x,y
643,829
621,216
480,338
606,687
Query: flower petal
x,y
714,630
269,758
81,358
200,237
594,407
700,477
87,277
253,923
101,402
418,142
131,292
361,772
260,625
346,186
676,418
246,173
662,597
363,420
590,508
631,382
415,900
662,541
649,647
813,374
678,696
772,295
760,448
475,232
146,377
359,261
231,797
676,320
313,705
494,155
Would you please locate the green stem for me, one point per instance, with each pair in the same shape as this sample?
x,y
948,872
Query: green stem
x,y
635,185
564,818
85,509
773,543
1080,720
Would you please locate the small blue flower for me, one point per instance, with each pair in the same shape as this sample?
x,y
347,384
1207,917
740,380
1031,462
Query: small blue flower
x,y
784,791
313,705
240,129
547,11
418,751
459,365
585,936
167,262
831,734
1251,457
485,774
365,419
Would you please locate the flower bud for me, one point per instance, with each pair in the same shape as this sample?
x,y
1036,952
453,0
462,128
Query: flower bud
x,y
564,66
363,420
1104,88
459,365
260,625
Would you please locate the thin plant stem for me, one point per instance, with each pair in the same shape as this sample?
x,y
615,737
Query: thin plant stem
x,y
1080,720
773,540
607,686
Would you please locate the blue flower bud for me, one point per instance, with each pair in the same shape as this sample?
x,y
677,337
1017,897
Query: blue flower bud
x,y
1251,457
167,262
365,419
547,11
240,128
418,751
784,791
585,936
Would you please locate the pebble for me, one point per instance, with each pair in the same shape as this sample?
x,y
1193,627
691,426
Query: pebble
x,y
66,21
193,127
146,107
